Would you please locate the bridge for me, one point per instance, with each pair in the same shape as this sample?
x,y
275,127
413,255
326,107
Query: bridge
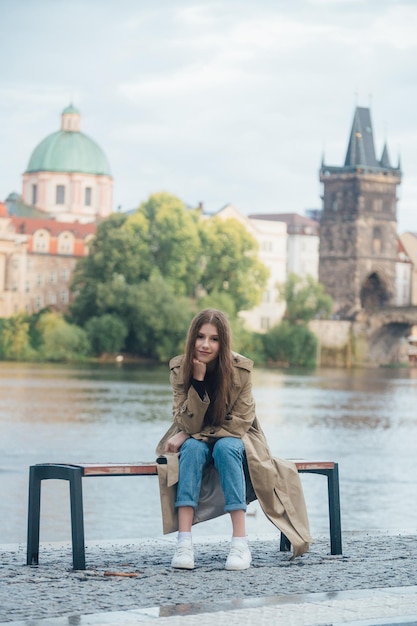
x,y
386,331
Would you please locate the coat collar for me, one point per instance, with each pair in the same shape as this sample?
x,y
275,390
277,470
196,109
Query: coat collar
x,y
239,362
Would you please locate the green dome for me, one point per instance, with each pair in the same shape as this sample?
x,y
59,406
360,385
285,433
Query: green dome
x,y
69,151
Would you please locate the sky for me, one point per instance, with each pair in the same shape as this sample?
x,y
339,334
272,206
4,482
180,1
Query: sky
x,y
231,101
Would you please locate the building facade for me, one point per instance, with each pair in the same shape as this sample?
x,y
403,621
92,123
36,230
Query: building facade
x,y
13,266
303,236
409,243
37,262
67,189
403,276
358,231
272,252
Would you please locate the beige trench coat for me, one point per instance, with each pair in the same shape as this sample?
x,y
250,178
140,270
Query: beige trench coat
x,y
276,483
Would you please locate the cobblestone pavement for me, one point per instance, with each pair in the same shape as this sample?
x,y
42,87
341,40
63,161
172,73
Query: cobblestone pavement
x,y
150,589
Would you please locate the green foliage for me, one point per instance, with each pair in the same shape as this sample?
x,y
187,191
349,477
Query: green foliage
x,y
15,339
290,344
305,299
159,321
230,262
106,334
247,342
218,300
145,269
172,240
115,252
161,235
35,337
61,341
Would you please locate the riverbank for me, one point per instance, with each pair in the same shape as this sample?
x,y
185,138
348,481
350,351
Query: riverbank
x,y
124,576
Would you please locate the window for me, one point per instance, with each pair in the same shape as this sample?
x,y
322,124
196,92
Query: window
x,y
40,241
88,196
34,194
377,243
60,194
39,280
337,201
52,297
65,243
378,204
64,297
39,303
265,323
52,278
65,274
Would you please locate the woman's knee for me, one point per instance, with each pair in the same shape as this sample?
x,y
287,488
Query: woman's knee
x,y
228,448
194,448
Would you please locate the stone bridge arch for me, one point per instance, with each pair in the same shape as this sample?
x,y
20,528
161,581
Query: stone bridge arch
x,y
386,332
388,344
375,291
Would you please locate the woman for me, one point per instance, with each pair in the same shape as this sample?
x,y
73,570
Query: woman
x,y
215,457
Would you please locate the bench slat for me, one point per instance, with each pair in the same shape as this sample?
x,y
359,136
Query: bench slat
x,y
150,469
119,469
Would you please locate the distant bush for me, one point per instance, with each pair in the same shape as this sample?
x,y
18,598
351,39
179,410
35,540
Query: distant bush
x,y
61,341
290,344
15,339
106,333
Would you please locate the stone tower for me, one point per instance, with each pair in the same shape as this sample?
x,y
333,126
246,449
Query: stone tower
x,y
358,234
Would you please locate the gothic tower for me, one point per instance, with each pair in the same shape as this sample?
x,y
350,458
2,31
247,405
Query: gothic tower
x,y
358,233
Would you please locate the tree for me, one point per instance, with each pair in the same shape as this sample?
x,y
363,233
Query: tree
x,y
161,234
305,299
115,251
218,300
230,262
106,333
290,344
159,320
15,339
147,270
172,238
61,341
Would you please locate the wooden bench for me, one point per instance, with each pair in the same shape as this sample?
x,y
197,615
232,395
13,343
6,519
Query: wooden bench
x,y
75,473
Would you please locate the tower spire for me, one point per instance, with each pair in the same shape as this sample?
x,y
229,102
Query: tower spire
x,y
361,149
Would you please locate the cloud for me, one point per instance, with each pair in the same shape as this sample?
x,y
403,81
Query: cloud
x,y
216,101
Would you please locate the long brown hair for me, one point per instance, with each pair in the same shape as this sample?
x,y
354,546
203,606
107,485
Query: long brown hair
x,y
223,373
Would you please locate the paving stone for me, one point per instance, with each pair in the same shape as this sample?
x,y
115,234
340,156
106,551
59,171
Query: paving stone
x,y
53,589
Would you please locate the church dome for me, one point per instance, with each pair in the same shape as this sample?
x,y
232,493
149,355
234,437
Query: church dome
x,y
69,150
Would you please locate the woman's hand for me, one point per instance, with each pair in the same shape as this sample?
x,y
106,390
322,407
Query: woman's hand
x,y
174,443
199,369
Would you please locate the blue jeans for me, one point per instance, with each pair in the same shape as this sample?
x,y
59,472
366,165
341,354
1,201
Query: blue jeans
x,y
228,455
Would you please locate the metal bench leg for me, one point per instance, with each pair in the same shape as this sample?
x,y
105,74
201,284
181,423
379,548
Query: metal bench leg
x,y
77,519
334,511
284,544
34,510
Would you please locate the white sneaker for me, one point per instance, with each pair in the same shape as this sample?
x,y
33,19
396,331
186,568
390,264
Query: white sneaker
x,y
239,556
184,554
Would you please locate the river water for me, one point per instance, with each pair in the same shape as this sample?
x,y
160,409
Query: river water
x,y
366,420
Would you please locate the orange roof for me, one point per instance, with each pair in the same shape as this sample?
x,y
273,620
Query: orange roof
x,y
3,210
29,225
